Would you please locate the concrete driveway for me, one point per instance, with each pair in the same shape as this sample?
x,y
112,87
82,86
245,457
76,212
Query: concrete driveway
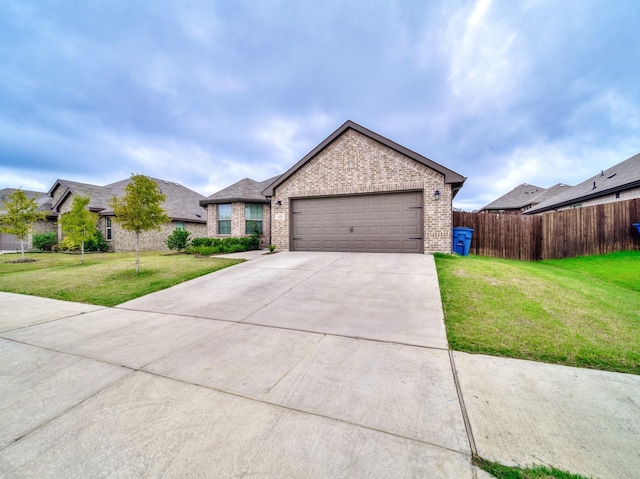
x,y
289,365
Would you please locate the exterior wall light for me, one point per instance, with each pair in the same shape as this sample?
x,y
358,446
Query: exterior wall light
x,y
436,195
278,203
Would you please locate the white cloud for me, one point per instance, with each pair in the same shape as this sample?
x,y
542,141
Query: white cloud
x,y
21,179
619,111
484,64
288,139
544,164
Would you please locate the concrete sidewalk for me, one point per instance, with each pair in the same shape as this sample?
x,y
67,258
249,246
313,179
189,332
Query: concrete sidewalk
x,y
290,365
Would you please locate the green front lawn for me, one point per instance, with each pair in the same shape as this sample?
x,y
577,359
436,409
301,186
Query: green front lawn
x,y
106,279
579,312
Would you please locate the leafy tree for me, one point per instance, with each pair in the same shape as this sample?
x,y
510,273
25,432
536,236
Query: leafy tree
x,y
79,224
178,240
140,209
20,214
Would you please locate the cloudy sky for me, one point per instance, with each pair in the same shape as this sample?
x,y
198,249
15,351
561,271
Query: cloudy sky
x,y
207,92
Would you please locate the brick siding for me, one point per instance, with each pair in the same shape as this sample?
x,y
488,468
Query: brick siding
x,y
356,164
238,222
153,240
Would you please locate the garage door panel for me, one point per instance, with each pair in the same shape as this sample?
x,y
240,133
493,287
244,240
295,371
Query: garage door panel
x,y
390,222
411,230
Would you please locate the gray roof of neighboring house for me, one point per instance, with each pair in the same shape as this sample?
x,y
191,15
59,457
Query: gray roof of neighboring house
x,y
450,176
620,177
100,195
181,204
244,191
549,193
517,198
43,199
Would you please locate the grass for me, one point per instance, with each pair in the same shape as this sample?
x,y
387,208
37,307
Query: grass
x,y
536,472
105,279
581,312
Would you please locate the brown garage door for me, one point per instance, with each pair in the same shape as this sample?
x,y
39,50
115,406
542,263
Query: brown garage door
x,y
384,223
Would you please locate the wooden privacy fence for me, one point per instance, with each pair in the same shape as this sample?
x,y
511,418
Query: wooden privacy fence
x,y
590,230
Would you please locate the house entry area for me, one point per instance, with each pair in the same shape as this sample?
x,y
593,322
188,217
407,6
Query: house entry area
x,y
375,223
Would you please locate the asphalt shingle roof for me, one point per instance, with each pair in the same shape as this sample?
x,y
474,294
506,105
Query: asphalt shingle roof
x,y
623,176
43,199
517,198
244,191
181,203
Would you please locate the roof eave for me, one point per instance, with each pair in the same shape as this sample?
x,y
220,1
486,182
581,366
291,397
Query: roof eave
x,y
451,177
219,201
188,220
578,199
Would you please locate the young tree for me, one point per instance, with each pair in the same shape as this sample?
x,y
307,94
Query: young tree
x,y
20,214
140,209
79,224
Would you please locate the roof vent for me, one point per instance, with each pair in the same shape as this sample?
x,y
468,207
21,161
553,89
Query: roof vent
x,y
594,186
165,182
609,177
601,172
199,216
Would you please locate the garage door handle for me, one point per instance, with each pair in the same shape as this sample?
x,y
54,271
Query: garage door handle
x,y
351,229
415,238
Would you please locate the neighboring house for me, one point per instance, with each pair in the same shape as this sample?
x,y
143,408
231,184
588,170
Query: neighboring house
x,y
523,198
355,191
10,242
618,183
514,201
181,205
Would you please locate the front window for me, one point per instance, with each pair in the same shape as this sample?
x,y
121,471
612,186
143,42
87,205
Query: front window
x,y
253,217
108,228
180,225
224,219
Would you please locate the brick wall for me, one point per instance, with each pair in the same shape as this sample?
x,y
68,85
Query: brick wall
x,y
355,164
238,222
153,240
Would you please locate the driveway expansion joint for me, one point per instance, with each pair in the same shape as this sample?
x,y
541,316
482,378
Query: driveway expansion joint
x,y
463,407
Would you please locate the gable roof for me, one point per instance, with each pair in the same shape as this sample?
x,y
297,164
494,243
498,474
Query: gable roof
x,y
99,195
244,191
620,177
181,203
515,199
450,176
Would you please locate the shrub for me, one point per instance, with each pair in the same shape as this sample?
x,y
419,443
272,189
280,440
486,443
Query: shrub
x,y
44,241
207,246
178,240
97,243
67,245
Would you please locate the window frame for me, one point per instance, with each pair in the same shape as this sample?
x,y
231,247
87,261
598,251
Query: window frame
x,y
248,219
108,234
224,221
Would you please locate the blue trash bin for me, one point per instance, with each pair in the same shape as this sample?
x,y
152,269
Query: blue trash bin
x,y
461,241
637,226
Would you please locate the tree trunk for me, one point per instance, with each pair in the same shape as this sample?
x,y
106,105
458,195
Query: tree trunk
x,y
22,249
82,252
137,253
